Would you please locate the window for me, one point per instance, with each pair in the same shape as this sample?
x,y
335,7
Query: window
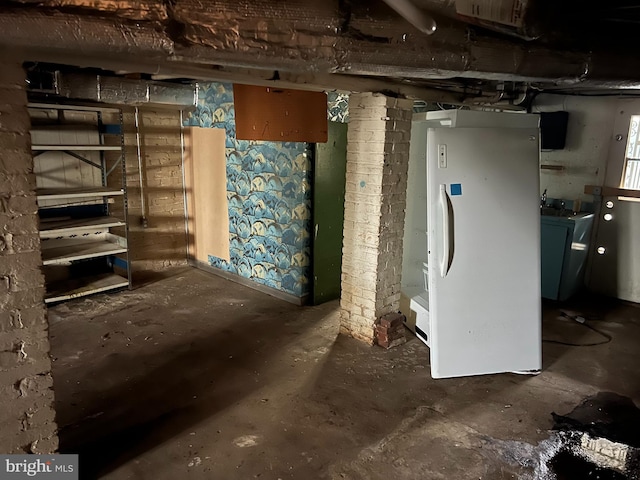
x,y
631,171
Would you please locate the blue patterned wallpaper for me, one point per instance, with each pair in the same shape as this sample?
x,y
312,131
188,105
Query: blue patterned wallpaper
x,y
268,190
338,107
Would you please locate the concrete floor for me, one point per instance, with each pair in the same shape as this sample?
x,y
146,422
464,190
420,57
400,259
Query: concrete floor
x,y
198,377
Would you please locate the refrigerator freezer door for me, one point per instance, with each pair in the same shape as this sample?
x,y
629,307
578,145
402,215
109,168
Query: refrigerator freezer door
x,y
484,237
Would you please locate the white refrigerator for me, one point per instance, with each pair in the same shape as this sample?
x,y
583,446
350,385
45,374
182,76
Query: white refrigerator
x,y
480,312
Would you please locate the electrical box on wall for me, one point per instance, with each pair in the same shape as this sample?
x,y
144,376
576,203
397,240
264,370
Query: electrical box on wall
x,y
280,114
553,130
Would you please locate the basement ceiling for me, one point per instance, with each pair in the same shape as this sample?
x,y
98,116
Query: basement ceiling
x,y
474,54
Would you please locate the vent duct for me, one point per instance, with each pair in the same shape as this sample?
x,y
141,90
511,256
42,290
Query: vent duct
x,y
125,91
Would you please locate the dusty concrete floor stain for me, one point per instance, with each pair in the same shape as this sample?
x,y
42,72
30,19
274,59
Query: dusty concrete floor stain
x,y
197,377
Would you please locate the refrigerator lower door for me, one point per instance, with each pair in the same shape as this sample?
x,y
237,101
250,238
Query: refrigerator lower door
x,y
484,257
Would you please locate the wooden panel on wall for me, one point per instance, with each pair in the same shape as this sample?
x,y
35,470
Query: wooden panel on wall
x,y
206,184
278,114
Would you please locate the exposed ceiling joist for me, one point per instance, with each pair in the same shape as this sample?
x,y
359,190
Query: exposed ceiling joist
x,y
301,81
320,39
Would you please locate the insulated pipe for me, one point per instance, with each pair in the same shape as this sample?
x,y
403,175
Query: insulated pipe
x,y
523,96
222,36
413,15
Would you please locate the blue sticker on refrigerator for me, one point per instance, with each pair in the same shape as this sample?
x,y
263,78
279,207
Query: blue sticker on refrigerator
x,y
456,189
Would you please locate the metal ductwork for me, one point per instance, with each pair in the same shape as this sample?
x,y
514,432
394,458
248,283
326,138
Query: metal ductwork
x,y
124,91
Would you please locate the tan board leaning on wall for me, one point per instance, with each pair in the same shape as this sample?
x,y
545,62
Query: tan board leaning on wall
x,y
206,185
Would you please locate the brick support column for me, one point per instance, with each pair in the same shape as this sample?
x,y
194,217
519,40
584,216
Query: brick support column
x,y
27,414
375,200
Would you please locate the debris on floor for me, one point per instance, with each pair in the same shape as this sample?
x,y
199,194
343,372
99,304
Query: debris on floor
x,y
598,439
603,439
389,330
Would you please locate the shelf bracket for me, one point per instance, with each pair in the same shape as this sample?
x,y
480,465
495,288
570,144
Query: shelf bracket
x,y
82,159
115,164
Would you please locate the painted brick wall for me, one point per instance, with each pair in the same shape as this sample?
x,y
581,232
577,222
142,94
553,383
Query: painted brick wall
x,y
585,155
268,189
27,417
162,243
375,200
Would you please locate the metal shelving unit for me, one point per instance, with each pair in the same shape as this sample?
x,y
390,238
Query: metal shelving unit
x,y
60,251
53,228
79,287
63,193
81,255
74,148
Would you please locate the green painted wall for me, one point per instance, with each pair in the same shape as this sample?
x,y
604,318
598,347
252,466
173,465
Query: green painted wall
x,y
328,213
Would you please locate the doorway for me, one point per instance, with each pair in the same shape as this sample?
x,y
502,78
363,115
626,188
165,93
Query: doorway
x,y
328,213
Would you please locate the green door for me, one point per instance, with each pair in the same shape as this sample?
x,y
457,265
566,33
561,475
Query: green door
x,y
328,213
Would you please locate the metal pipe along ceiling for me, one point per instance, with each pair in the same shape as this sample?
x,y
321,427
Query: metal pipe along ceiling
x,y
413,15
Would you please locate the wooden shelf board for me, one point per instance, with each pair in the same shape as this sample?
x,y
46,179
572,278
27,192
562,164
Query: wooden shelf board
x,y
86,192
79,249
79,287
611,191
95,147
70,225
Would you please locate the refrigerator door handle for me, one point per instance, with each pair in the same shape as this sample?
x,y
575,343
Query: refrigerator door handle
x,y
446,225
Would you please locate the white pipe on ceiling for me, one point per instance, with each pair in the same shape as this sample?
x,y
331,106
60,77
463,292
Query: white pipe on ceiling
x,y
412,14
